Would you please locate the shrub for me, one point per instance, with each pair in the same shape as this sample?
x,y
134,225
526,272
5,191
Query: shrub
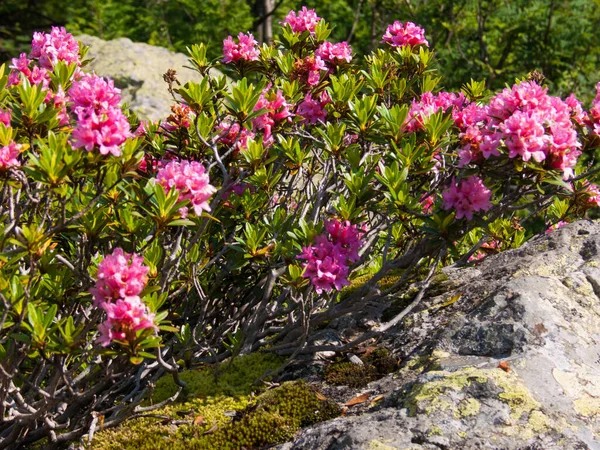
x,y
235,224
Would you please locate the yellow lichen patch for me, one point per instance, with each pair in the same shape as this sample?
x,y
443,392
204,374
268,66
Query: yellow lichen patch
x,y
435,431
225,423
430,397
539,422
468,407
587,406
377,445
440,395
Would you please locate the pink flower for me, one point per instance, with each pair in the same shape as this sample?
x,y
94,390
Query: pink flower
x,y
58,45
35,75
303,20
530,123
347,236
8,156
326,266
190,180
120,275
309,70
594,116
328,259
277,111
556,226
334,53
100,121
5,117
429,104
312,110
124,318
245,49
230,134
399,35
427,203
468,196
577,112
593,195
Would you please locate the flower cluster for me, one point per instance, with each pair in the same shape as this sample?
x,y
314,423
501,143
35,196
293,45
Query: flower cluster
x,y
466,197
8,155
594,119
191,180
5,117
303,20
556,226
245,49
100,121
230,134
531,125
429,104
277,111
399,35
592,193
34,74
309,69
120,281
334,53
58,45
313,110
328,259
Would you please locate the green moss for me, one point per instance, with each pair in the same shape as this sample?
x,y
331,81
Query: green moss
x,y
272,417
385,283
233,378
375,365
349,374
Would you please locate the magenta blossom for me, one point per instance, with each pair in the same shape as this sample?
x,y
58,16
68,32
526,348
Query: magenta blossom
x,y
8,156
233,134
35,75
5,117
556,226
303,20
399,35
312,110
467,197
58,45
245,49
100,122
120,275
334,53
191,180
532,125
124,318
277,111
328,259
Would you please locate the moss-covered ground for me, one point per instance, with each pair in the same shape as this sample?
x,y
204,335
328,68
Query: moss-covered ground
x,y
222,412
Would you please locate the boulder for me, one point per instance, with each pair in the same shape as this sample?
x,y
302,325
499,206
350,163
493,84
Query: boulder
x,y
137,69
501,355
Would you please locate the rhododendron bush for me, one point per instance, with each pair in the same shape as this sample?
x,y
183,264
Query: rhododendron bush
x,y
132,249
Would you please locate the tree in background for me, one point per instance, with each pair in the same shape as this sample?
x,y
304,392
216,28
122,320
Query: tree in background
x,y
489,40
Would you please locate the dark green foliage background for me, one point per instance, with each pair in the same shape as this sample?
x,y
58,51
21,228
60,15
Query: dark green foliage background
x,y
495,40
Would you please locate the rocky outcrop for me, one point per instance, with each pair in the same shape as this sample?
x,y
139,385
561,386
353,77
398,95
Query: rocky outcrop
x,y
503,355
137,69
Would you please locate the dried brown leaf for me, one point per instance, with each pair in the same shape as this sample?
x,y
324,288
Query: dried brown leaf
x,y
357,400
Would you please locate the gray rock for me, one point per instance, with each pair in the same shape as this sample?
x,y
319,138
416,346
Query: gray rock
x,y
513,364
137,69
